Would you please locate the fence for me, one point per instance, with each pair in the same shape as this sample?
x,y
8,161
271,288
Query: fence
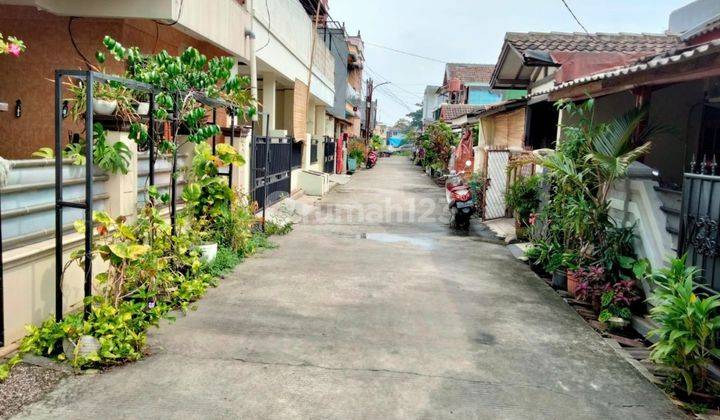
x,y
496,165
329,156
271,168
314,151
699,234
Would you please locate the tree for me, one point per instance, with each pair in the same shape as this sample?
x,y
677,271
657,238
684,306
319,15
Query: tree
x,y
416,119
402,125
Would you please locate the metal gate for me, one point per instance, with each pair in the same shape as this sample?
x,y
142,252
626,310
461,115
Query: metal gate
x,y
496,165
699,226
329,157
270,169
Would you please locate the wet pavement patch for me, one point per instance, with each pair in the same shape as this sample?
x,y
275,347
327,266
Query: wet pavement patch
x,y
391,238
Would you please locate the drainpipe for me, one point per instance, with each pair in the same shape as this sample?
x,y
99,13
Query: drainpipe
x,y
250,34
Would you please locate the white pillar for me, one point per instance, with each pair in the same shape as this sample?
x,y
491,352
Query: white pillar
x,y
123,188
241,175
269,97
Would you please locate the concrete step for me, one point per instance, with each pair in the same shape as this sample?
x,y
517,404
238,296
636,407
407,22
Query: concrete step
x,y
672,216
669,197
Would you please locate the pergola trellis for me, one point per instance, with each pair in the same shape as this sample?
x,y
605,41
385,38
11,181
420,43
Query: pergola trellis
x,y
90,77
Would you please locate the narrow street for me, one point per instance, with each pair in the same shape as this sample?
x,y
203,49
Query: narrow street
x,y
372,308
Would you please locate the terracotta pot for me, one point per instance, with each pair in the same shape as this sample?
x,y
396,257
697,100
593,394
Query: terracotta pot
x,y
572,283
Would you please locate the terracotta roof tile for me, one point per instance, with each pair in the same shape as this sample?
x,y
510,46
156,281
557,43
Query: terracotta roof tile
x,y
597,42
469,73
449,112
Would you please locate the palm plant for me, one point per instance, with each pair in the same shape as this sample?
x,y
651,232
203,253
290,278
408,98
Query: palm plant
x,y
616,145
589,159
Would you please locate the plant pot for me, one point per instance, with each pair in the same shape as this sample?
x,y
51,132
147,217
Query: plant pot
x,y
572,283
208,252
143,108
104,107
559,279
85,346
352,165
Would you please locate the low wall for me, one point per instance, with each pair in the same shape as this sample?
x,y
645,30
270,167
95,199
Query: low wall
x,y
28,233
634,201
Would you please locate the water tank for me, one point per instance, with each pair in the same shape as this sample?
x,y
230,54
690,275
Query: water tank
x,y
454,85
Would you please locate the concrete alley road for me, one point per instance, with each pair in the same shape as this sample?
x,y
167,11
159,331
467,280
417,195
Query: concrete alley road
x,y
372,309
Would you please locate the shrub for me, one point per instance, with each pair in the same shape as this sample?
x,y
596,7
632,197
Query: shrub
x,y
523,197
688,324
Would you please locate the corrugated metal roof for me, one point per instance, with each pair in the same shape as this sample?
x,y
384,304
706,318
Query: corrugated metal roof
x,y
658,61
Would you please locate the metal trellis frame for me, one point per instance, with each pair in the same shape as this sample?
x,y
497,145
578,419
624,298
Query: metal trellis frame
x,y
90,77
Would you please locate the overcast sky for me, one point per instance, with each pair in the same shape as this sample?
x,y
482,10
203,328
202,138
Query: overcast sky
x,y
470,31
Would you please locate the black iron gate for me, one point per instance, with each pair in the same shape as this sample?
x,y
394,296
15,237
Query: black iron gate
x,y
699,234
271,169
329,157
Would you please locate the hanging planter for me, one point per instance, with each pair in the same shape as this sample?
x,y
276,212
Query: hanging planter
x,y
104,106
143,108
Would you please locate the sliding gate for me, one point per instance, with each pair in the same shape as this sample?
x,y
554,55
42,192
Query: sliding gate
x,y
270,169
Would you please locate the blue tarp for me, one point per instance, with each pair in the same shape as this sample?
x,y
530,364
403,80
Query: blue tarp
x,y
396,141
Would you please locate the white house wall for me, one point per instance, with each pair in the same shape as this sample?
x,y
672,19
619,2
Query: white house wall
x,y
219,22
288,52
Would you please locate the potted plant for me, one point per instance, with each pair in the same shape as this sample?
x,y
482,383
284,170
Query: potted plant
x,y
110,98
523,198
208,247
208,197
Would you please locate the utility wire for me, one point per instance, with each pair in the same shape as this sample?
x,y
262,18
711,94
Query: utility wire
x,y
575,17
385,79
406,52
182,2
267,8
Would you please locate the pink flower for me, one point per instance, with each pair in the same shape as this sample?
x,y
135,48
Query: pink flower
x,y
13,49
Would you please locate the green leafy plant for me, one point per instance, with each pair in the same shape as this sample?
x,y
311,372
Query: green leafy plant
x,y
208,195
689,324
109,91
523,197
356,150
580,173
113,158
437,141
478,186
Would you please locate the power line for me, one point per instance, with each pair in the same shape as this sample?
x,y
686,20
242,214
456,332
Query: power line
x,y
391,83
575,17
175,21
267,8
405,52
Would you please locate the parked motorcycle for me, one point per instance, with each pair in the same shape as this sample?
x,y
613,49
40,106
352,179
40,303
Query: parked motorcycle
x,y
457,189
371,160
460,200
